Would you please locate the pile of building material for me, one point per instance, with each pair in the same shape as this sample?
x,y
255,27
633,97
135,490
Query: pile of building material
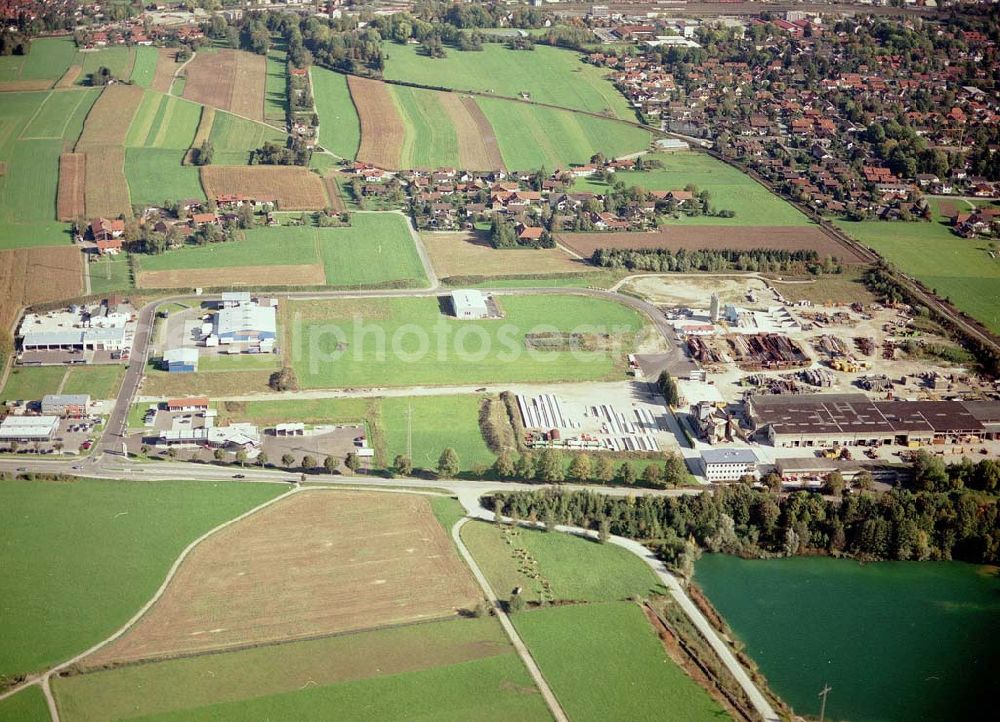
x,y
541,412
830,345
703,352
817,377
766,351
878,383
865,345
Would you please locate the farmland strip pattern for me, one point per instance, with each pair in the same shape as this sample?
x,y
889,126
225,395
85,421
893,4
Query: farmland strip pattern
x,y
382,129
72,175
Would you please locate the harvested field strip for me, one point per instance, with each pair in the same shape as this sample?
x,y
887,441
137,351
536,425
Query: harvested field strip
x,y
294,188
382,129
68,80
20,86
37,275
477,142
166,66
150,689
228,79
298,275
300,568
72,175
430,140
248,90
695,238
204,126
333,192
470,254
229,383
109,120
106,191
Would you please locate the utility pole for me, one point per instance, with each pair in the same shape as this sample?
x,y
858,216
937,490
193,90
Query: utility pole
x,y
409,431
823,694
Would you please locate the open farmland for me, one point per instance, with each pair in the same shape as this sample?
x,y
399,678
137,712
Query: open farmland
x,y
299,569
382,129
166,66
37,275
339,126
58,114
106,188
144,70
47,62
234,138
458,669
293,187
960,269
415,341
222,383
231,80
695,238
163,121
438,422
730,189
82,557
470,254
545,75
118,59
109,120
532,136
28,705
70,202
157,174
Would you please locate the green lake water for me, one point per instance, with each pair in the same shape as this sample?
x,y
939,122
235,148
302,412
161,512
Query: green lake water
x,y
896,641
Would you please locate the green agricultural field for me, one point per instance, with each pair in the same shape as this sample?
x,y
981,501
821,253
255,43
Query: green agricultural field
x,y
238,362
437,423
31,383
546,75
259,247
308,411
101,382
48,59
28,705
28,185
82,557
276,86
163,121
156,175
618,669
730,189
110,273
577,569
960,269
118,59
233,138
536,137
430,140
407,342
58,114
145,66
454,670
339,127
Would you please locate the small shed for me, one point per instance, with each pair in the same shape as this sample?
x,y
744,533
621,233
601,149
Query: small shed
x,y
469,304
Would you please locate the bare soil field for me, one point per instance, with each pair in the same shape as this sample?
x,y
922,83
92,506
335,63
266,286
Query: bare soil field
x,y
317,563
109,119
333,192
470,254
381,127
477,143
68,80
37,275
19,86
295,188
72,176
232,80
694,238
166,65
311,274
106,190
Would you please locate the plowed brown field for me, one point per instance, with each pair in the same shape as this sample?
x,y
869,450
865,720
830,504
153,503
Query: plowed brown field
x,y
232,80
296,189
477,143
37,275
470,254
68,80
695,238
72,177
106,192
166,65
8,86
300,275
317,563
109,119
381,127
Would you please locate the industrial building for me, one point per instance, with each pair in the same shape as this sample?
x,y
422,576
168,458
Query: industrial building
x,y
822,420
65,404
181,360
103,327
243,321
728,464
28,428
469,304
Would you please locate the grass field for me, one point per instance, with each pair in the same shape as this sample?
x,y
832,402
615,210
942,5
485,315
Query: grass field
x,y
236,362
32,383
376,249
276,85
82,557
111,273
731,190
101,382
308,411
118,59
546,74
404,342
535,137
959,269
470,254
617,669
28,705
437,423
234,138
339,127
156,175
60,116
430,140
163,121
577,569
144,69
48,59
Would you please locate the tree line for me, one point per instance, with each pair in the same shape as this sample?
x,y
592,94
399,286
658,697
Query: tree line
x,y
724,259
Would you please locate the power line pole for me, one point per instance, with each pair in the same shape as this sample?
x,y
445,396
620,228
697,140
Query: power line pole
x,y
823,694
409,431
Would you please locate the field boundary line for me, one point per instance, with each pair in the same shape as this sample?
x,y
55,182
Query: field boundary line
x,y
44,677
38,110
515,639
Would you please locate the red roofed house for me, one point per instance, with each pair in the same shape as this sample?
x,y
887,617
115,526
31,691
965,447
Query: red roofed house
x,y
190,403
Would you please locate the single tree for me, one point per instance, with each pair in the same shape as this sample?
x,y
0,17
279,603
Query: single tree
x,y
331,464
651,475
626,474
262,459
308,462
550,466
287,461
448,465
352,462
219,454
524,468
833,485
241,457
603,530
504,466
605,469
403,465
580,468
674,469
